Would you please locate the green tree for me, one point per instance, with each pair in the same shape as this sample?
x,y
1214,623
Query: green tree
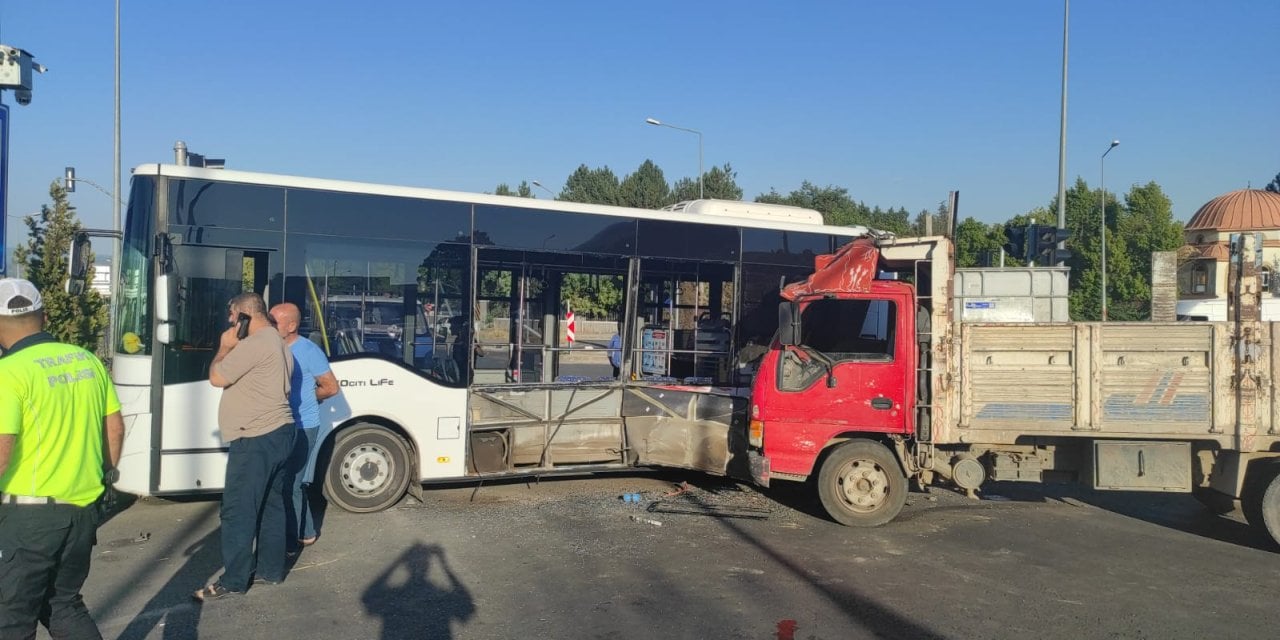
x,y
832,202
592,296
1083,220
974,238
1145,224
940,218
78,319
719,183
646,188
596,186
896,221
522,191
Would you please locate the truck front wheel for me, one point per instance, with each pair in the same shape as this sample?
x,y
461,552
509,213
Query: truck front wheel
x,y
861,485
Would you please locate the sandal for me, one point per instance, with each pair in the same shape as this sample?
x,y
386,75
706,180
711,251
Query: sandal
x,y
213,592
306,542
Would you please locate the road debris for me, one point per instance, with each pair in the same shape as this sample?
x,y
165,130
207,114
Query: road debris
x,y
656,523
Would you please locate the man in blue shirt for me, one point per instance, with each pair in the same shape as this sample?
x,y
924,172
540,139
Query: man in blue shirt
x,y
310,384
615,354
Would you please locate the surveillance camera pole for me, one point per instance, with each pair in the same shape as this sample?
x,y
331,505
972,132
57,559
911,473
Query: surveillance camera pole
x,y
16,69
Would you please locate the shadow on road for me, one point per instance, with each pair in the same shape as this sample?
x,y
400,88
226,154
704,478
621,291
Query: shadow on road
x,y
172,606
859,607
412,604
1178,511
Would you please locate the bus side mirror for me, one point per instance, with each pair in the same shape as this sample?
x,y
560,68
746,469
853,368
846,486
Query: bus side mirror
x,y
164,297
78,263
788,323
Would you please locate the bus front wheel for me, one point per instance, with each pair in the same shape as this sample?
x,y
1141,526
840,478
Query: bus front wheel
x,y
369,469
861,485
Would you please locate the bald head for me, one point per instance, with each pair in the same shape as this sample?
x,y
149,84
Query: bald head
x,y
287,317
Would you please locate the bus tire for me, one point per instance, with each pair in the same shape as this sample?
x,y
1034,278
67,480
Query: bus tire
x,y
369,469
861,484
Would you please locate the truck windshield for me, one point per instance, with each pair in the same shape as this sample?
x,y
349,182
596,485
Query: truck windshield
x,y
849,329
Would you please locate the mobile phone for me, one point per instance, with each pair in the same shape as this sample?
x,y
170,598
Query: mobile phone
x,y
242,326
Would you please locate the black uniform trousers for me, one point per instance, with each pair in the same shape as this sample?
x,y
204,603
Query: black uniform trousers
x,y
44,559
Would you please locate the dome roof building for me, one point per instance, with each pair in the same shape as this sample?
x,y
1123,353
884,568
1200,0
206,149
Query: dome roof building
x,y
1202,280
1243,210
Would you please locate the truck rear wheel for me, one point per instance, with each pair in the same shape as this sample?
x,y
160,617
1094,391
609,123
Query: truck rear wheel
x,y
861,485
1260,501
369,469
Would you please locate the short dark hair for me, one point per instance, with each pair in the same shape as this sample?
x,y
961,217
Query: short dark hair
x,y
250,303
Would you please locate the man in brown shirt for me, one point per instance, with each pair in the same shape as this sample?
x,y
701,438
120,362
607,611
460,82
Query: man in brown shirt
x,y
255,421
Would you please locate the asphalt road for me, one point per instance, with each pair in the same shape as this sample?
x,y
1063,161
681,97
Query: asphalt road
x,y
566,559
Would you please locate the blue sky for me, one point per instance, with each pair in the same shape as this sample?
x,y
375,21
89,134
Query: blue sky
x,y
898,102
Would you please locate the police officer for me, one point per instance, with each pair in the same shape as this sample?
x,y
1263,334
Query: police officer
x,y
57,409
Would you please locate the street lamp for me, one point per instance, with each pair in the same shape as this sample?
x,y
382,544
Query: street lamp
x,y
657,123
69,181
539,185
1102,185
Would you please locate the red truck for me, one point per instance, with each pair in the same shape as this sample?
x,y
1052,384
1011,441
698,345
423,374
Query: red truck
x,y
872,382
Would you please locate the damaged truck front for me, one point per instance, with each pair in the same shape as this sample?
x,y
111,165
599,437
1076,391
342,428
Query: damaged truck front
x,y
874,382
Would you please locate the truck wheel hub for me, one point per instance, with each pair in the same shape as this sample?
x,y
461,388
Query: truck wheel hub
x,y
864,485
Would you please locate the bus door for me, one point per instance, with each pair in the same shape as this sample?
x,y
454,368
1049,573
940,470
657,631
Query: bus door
x,y
202,280
509,319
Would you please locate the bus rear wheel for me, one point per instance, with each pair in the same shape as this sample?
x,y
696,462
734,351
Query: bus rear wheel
x,y
369,469
861,485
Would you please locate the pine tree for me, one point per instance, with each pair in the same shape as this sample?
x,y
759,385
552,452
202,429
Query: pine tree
x,y
78,319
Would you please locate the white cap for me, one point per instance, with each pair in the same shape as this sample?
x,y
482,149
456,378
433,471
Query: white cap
x,y
11,288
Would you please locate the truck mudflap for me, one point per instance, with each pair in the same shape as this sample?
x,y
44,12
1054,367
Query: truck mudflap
x,y
759,468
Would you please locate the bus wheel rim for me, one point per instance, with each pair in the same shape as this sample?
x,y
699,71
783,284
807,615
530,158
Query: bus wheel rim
x,y
366,469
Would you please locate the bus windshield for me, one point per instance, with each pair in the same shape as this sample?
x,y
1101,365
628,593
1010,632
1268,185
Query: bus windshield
x,y
133,325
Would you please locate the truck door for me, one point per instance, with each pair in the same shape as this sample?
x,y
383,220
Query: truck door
x,y
849,371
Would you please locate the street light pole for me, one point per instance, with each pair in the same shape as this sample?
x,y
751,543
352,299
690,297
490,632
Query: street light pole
x,y
539,185
115,201
1062,127
658,123
1102,186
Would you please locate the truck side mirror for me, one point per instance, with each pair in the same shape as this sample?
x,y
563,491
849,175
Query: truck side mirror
x,y
788,323
78,264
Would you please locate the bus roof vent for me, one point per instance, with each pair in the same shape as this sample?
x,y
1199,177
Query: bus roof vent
x,y
755,210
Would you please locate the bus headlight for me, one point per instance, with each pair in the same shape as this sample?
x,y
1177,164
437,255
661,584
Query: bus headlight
x,y
755,435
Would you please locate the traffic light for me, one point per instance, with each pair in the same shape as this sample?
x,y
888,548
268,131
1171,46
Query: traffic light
x,y
1042,244
1017,244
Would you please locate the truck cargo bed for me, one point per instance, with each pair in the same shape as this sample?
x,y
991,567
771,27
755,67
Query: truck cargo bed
x,y
1114,380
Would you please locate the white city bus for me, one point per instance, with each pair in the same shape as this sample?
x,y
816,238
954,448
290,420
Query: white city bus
x,y
470,374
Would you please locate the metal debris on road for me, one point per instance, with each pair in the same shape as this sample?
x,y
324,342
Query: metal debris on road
x,y
688,500
682,487
695,509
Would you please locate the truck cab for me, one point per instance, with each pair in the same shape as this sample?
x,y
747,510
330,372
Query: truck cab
x,y
840,379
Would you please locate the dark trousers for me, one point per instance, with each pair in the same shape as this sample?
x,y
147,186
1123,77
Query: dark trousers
x,y
253,508
44,559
